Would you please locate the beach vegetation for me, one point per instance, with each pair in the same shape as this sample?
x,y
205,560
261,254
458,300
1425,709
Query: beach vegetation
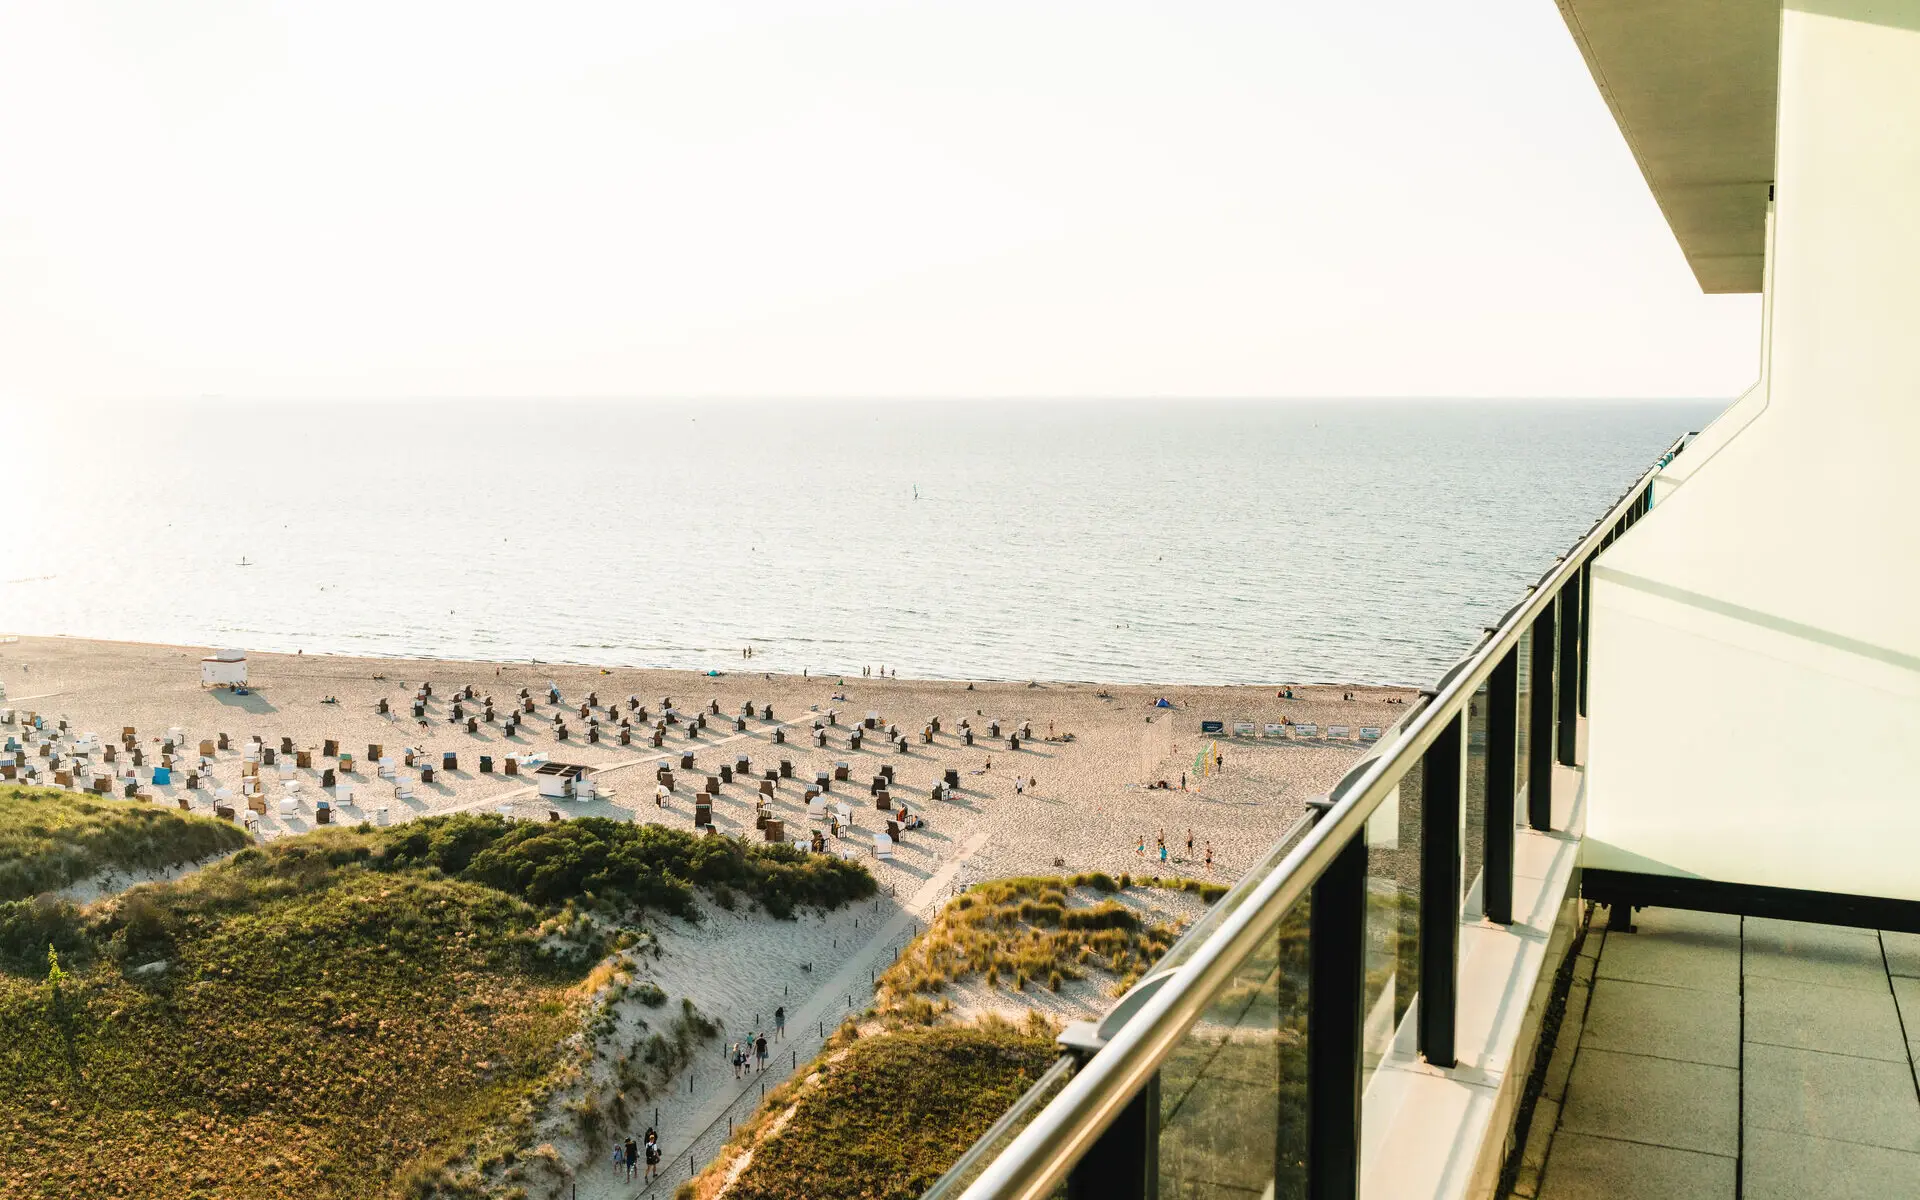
x,y
881,1116
50,838
352,1012
1021,930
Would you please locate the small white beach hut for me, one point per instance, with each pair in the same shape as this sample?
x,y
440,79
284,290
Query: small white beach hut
x,y
224,668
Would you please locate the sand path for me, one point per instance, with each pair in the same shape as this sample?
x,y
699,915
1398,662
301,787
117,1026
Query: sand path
x,y
823,1010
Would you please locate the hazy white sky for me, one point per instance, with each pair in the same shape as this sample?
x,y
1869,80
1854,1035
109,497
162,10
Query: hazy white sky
x,y
822,198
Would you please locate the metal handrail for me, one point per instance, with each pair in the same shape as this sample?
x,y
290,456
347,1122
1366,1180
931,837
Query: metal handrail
x,y
1042,1154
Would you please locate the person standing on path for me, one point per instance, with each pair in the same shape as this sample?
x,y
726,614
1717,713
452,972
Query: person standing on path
x,y
780,1023
633,1157
760,1050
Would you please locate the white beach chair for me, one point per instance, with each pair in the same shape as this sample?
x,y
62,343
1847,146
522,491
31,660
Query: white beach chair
x,y
380,815
402,792
343,794
288,807
816,809
293,788
1369,733
882,846
1338,732
505,810
583,789
844,812
286,769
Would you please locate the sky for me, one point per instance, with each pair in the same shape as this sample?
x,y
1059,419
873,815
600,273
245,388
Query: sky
x,y
823,198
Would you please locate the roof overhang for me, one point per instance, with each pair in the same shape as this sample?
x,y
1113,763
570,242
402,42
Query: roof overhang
x,y
1693,85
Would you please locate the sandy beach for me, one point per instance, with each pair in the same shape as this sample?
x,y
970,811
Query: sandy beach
x,y
1088,809
1087,803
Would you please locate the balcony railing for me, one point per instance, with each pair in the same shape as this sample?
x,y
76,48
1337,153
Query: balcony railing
x,y
1237,1066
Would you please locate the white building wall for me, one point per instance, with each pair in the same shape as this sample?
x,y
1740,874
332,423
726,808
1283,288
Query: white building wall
x,y
1755,686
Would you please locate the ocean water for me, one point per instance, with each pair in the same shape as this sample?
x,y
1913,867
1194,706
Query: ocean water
x,y
1177,542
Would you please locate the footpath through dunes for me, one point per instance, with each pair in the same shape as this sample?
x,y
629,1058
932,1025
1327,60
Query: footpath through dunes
x,y
354,1012
958,1026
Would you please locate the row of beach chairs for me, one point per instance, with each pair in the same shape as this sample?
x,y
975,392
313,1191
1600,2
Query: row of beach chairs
x,y
1306,732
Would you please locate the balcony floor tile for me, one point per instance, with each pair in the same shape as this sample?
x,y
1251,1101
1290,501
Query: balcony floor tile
x,y
1826,954
1812,1016
1831,1096
1656,1101
1792,1166
1582,1167
1666,1022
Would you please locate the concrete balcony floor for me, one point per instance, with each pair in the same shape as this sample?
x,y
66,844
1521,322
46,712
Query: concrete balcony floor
x,y
1718,1057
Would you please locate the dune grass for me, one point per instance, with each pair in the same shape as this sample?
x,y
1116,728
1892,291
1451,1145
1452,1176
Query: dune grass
x,y
1019,933
50,838
880,1118
355,1012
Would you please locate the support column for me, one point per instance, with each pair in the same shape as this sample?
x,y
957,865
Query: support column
x,y
1540,710
1586,620
1567,693
1125,1162
1503,722
1440,894
1336,1023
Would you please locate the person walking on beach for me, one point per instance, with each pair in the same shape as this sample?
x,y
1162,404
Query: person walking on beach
x,y
1209,858
1189,839
760,1050
1141,849
737,1057
780,1023
633,1157
1183,781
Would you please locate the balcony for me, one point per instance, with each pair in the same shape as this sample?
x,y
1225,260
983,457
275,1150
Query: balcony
x,y
1419,993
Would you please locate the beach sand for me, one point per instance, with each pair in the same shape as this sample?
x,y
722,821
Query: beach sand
x,y
1091,809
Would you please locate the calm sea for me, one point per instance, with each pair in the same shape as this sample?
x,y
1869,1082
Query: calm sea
x,y
1115,541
